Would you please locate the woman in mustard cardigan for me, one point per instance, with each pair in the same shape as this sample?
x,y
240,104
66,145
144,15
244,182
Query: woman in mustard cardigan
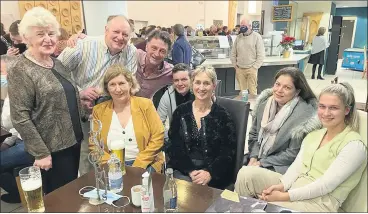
x,y
329,166
130,120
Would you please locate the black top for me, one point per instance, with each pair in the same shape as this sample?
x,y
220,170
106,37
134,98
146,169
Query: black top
x,y
71,99
180,99
214,143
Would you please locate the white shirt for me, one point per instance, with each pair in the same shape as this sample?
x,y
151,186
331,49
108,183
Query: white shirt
x,y
125,135
7,124
319,44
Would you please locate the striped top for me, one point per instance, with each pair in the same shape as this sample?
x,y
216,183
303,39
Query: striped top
x,y
90,58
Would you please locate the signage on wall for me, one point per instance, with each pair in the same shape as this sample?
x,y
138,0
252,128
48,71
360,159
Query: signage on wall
x,y
282,13
256,26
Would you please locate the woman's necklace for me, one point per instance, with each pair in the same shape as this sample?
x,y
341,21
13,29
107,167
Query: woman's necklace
x,y
33,59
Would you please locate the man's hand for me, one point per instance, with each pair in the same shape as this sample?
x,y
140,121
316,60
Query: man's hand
x,y
87,105
89,94
276,196
72,41
12,51
201,177
44,163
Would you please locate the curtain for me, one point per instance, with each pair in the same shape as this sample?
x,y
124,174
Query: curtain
x,y
232,13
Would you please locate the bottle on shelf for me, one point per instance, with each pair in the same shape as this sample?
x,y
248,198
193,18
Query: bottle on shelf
x,y
170,193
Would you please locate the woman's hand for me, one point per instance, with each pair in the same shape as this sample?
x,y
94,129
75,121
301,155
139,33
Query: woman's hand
x,y
44,163
201,177
278,187
275,196
252,161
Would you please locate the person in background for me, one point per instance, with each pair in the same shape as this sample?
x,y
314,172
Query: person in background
x,y
224,31
209,160
131,119
142,45
61,44
247,56
182,50
319,45
176,94
5,41
18,46
237,29
153,73
328,167
89,60
44,102
283,116
213,31
133,34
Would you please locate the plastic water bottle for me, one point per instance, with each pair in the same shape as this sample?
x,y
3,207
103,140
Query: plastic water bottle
x,y
147,201
115,174
245,95
170,193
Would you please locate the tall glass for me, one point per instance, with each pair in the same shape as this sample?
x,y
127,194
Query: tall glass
x,y
117,147
31,182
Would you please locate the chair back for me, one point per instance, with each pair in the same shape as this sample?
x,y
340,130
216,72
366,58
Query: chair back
x,y
357,199
218,88
239,112
158,95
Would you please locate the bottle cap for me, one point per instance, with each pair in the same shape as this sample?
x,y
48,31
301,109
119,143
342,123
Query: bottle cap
x,y
169,171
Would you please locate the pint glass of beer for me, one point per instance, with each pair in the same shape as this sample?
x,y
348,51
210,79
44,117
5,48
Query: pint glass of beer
x,y
117,147
31,182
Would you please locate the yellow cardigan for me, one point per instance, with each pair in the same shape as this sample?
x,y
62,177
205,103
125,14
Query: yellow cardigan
x,y
148,128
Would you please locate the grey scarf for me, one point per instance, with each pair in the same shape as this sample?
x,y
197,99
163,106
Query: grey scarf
x,y
272,122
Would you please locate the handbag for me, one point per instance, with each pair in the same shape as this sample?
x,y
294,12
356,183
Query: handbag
x,y
197,58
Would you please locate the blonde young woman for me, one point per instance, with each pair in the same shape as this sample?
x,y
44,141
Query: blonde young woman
x,y
328,167
131,119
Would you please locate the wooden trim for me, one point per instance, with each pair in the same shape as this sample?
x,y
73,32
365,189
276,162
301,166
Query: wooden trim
x,y
21,193
284,20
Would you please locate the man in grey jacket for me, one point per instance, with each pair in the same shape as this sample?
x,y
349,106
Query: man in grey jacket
x,y
176,94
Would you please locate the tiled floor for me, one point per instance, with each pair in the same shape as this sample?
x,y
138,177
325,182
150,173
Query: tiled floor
x,y
353,77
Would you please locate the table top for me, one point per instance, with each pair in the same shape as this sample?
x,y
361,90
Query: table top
x,y
191,197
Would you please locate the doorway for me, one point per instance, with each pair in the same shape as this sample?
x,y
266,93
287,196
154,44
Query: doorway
x,y
347,36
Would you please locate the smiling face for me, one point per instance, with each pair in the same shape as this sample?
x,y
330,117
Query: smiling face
x,y
284,89
203,86
331,110
156,51
42,40
119,88
181,82
117,34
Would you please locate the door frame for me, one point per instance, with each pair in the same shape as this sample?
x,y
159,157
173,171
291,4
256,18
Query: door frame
x,y
354,18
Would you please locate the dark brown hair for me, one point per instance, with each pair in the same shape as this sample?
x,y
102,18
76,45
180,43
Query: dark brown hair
x,y
299,81
13,29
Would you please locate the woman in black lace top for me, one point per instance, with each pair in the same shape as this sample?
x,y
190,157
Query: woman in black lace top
x,y
202,136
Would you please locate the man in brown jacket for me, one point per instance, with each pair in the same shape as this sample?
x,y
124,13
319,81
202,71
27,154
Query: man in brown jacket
x,y
247,57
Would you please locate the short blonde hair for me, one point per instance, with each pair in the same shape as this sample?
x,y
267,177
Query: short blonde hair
x,y
38,17
117,70
208,70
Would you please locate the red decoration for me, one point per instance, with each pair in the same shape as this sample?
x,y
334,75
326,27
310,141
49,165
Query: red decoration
x,y
287,42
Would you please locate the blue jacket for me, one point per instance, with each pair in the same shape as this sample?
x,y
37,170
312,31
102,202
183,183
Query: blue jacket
x,y
182,51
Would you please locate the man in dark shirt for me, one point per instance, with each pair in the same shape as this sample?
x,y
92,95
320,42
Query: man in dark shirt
x,y
182,50
18,47
176,94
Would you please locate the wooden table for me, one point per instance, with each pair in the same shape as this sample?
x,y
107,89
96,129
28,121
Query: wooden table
x,y
4,134
191,197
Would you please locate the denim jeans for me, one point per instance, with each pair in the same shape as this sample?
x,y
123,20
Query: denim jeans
x,y
149,168
15,156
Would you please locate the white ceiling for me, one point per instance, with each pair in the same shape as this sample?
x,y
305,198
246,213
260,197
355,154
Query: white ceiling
x,y
340,3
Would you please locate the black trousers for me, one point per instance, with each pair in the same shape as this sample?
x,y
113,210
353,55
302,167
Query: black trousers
x,y
65,164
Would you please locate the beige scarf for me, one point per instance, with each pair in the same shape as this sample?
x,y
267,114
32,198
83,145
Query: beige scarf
x,y
272,122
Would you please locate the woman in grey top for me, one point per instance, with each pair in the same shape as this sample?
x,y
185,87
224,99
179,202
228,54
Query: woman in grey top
x,y
44,102
282,117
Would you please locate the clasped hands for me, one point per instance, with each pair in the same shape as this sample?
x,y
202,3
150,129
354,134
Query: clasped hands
x,y
274,193
254,162
201,177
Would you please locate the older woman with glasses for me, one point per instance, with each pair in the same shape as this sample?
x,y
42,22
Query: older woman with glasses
x,y
44,102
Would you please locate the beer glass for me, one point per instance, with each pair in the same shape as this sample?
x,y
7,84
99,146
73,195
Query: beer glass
x,y
31,182
117,147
